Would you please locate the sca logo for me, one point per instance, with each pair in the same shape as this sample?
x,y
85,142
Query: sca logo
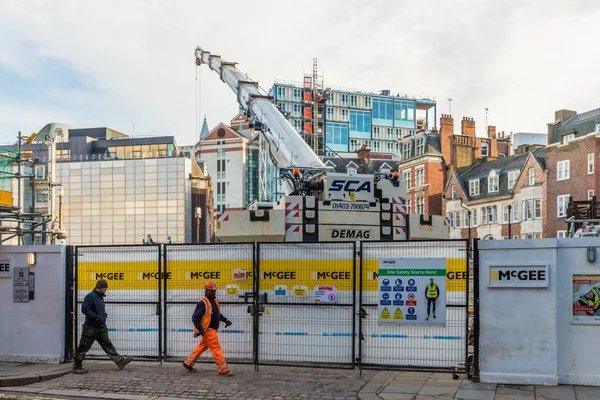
x,y
350,186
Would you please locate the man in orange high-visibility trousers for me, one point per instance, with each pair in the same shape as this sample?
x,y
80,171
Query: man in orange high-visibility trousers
x,y
206,319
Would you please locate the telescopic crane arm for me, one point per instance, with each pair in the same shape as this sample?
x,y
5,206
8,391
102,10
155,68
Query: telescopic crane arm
x,y
286,146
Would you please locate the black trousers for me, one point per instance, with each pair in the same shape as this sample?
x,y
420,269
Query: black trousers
x,y
429,303
91,334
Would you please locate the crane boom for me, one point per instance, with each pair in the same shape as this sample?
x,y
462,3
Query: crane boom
x,y
286,146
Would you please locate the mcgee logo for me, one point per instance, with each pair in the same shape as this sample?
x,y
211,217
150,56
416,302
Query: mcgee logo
x,y
519,276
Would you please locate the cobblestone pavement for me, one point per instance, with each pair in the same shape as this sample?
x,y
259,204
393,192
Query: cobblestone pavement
x,y
145,381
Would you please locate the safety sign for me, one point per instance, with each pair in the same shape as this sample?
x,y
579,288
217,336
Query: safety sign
x,y
239,274
232,289
412,291
300,291
325,294
280,291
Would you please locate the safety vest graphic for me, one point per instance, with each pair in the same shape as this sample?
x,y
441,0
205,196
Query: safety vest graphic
x,y
208,311
595,302
432,291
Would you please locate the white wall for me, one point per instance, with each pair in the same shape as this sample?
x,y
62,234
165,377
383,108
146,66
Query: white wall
x,y
520,138
526,334
34,331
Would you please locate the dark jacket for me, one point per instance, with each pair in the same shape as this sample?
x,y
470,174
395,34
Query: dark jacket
x,y
94,309
214,320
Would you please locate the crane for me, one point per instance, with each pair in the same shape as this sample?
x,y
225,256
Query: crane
x,y
280,142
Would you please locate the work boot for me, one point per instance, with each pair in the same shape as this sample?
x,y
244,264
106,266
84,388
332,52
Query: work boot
x,y
427,319
79,371
190,369
433,315
228,373
124,361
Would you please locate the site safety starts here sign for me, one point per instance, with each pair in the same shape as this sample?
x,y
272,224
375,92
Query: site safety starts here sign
x,y
412,291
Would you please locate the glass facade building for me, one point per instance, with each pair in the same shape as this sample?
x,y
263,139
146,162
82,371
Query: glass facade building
x,y
351,119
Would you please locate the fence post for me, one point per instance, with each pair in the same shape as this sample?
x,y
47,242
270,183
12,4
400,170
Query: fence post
x,y
160,311
255,302
69,303
360,309
476,308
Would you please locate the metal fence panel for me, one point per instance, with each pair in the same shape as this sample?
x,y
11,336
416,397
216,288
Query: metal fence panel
x,y
428,348
188,266
307,291
133,299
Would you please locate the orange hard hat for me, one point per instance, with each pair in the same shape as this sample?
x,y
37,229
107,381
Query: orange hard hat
x,y
210,285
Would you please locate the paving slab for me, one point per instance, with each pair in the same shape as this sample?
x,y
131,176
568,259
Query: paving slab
x,y
443,382
472,394
66,392
564,392
587,392
515,397
477,385
438,391
397,396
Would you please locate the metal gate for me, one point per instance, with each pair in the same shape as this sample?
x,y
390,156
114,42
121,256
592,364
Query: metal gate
x,y
427,348
133,301
302,304
187,267
306,304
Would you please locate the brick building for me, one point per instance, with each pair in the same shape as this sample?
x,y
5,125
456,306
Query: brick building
x,y
572,159
498,199
428,157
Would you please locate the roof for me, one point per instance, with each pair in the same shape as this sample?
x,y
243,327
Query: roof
x,y
204,131
502,166
579,124
432,144
340,164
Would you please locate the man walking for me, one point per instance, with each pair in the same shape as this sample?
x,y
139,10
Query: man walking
x,y
94,329
432,292
206,319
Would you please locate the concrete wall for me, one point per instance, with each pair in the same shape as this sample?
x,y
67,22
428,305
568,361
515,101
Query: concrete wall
x,y
526,333
34,331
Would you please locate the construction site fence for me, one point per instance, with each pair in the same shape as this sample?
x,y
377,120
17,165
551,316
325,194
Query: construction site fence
x,y
296,304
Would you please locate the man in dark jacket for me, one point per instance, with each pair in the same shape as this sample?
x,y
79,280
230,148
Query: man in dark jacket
x,y
94,329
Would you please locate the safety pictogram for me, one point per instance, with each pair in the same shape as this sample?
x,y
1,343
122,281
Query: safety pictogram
x,y
398,314
385,314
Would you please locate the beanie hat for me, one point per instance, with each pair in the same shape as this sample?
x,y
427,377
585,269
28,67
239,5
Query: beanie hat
x,y
101,284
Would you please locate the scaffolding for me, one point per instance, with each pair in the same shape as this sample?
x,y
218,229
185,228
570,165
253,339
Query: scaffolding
x,y
15,222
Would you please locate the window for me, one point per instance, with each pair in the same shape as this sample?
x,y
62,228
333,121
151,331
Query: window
x,y
561,234
298,125
465,219
404,113
505,214
563,168
527,210
297,94
450,218
297,110
485,150
345,114
453,191
597,128
281,93
376,130
531,176
408,206
516,211
537,208
528,236
537,235
561,205
457,219
40,172
474,188
568,138
419,177
590,163
494,213
360,123
405,150
383,110
367,102
590,194
492,184
474,217
336,136
484,216
344,98
420,205
512,179
353,100
329,113
407,179
41,196
420,146
351,171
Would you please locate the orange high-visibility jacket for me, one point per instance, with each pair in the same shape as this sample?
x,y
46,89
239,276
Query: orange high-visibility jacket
x,y
205,320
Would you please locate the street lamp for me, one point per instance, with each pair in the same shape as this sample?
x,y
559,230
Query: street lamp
x,y
198,215
509,216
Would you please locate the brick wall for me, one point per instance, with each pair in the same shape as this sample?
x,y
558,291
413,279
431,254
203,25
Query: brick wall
x,y
577,185
435,176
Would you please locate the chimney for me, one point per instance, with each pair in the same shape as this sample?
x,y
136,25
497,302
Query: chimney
x,y
447,124
364,154
491,132
563,115
468,127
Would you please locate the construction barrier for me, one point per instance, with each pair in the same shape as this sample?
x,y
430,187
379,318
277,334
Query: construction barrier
x,y
290,303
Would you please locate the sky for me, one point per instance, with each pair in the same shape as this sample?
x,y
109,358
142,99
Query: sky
x,y
129,65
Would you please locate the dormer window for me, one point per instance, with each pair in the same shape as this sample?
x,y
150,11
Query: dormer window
x,y
493,182
351,171
568,138
485,150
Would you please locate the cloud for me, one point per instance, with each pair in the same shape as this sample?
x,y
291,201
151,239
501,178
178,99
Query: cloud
x,y
117,63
